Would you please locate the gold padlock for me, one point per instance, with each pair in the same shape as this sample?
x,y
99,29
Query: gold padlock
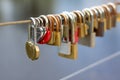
x,y
95,12
29,44
56,31
32,49
58,34
74,53
28,47
51,26
36,52
104,18
108,16
65,47
83,26
112,6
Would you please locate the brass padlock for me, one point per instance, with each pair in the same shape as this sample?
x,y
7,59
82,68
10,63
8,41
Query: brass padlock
x,y
73,50
32,49
83,24
102,17
74,53
51,26
58,29
28,47
89,40
112,6
95,12
108,16
73,27
65,47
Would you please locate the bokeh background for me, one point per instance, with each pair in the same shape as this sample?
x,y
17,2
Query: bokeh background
x,y
14,64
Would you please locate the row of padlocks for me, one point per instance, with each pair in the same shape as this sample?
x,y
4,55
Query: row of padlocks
x,y
68,29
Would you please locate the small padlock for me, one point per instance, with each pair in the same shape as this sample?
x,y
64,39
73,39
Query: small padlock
x,y
105,19
41,31
45,39
51,27
95,12
76,36
56,31
112,6
89,40
83,25
101,29
79,22
108,16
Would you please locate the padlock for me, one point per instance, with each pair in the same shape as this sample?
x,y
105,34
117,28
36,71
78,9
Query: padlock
x,y
41,31
51,27
100,31
73,47
95,12
79,22
75,27
112,6
45,39
84,26
56,31
65,47
32,49
108,16
89,40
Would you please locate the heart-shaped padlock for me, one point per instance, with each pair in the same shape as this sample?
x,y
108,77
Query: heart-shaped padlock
x,y
47,35
46,38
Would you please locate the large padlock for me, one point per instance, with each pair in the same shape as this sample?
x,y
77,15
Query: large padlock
x,y
32,49
73,45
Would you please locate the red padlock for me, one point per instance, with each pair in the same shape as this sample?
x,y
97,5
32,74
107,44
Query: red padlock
x,y
46,37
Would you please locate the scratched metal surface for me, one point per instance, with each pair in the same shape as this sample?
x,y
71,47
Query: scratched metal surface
x,y
14,64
